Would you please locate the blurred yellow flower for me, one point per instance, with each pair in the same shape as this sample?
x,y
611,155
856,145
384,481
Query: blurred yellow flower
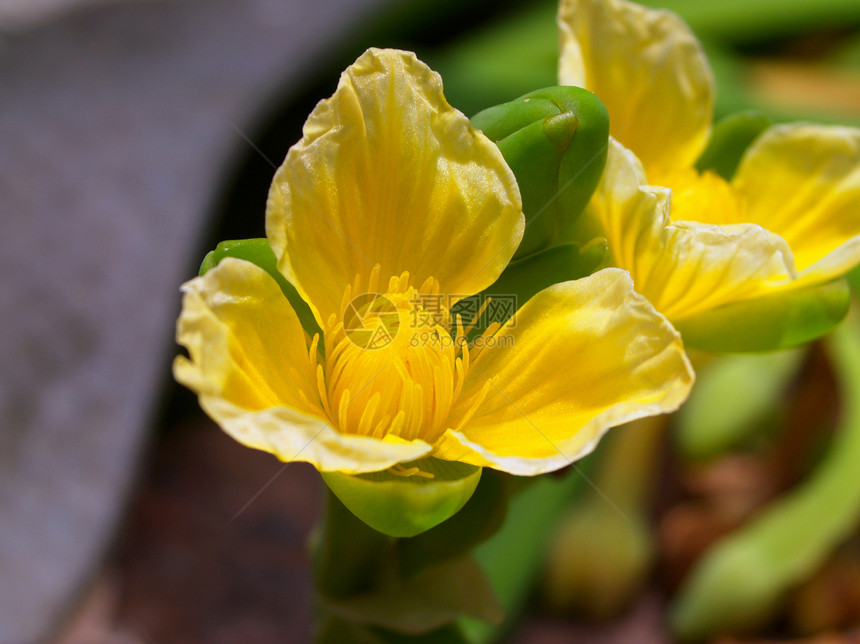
x,y
390,199
789,217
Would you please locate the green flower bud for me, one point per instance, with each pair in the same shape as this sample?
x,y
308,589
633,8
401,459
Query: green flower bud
x,y
555,141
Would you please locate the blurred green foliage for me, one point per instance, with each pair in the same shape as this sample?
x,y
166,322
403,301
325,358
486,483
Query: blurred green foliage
x,y
519,53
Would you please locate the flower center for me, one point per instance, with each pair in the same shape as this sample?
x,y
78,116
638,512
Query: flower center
x,y
391,366
706,198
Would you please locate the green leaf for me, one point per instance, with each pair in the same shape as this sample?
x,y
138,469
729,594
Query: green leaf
x,y
506,58
743,21
731,137
738,584
777,322
432,598
707,427
257,251
404,506
555,141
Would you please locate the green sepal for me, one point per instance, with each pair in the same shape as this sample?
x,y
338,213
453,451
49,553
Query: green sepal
x,y
479,520
555,141
853,277
526,277
781,321
731,137
404,506
258,252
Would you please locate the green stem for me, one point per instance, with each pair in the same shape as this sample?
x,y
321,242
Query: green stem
x,y
603,548
349,554
626,473
512,558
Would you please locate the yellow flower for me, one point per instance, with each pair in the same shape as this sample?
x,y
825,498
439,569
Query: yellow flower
x,y
790,216
391,191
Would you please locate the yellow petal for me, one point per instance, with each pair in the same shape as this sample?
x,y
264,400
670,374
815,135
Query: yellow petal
x,y
582,357
802,182
704,197
254,374
387,172
292,435
648,69
626,211
702,266
684,267
244,341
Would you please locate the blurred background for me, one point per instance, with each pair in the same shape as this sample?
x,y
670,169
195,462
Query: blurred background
x,y
134,135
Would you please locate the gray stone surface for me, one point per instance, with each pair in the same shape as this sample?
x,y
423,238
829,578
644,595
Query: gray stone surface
x,y
16,15
115,125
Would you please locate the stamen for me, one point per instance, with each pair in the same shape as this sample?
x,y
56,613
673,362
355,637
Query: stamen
x,y
306,389
483,341
478,315
399,470
344,404
373,282
472,405
417,411
312,406
364,425
312,350
321,389
459,377
397,423
344,302
465,354
381,427
404,282
340,364
429,287
404,388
